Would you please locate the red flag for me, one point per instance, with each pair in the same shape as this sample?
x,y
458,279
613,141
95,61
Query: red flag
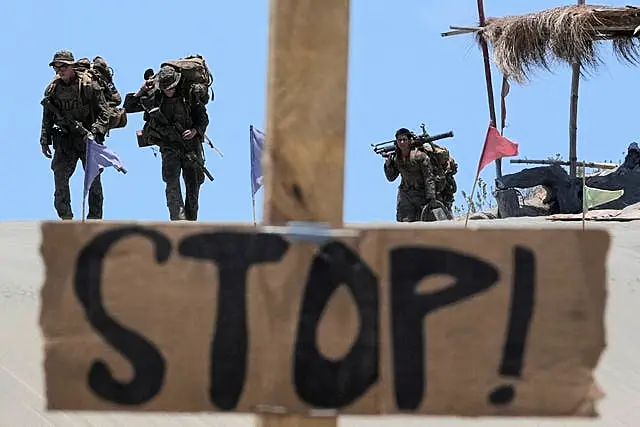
x,y
496,147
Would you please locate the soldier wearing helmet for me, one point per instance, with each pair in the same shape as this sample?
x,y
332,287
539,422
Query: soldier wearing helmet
x,y
77,100
178,127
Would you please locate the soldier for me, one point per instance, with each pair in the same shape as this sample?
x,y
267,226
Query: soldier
x,y
177,125
417,187
83,64
75,100
102,73
444,168
105,77
449,187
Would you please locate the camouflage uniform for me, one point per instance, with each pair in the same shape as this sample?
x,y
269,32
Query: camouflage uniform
x,y
417,186
83,64
444,170
105,77
84,102
186,114
448,187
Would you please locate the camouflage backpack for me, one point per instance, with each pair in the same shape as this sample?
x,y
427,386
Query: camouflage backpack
x,y
441,159
87,74
444,166
101,73
196,76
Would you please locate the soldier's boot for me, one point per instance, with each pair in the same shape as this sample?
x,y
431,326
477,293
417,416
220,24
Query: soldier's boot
x,y
191,213
174,201
191,202
62,202
176,212
63,213
96,199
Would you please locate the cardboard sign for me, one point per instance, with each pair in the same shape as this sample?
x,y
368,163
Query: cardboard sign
x,y
193,317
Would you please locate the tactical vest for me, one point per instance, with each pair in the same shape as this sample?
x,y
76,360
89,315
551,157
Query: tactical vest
x,y
73,99
117,115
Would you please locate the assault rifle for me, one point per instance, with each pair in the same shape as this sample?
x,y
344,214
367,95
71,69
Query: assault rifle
x,y
191,157
65,124
388,148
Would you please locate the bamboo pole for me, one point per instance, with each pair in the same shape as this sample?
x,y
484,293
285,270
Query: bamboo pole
x,y
598,165
487,74
573,116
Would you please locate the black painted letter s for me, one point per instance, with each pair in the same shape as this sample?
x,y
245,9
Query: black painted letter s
x,y
148,363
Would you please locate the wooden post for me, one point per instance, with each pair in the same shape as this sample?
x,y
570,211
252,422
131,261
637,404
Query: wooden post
x,y
306,125
306,111
573,117
487,74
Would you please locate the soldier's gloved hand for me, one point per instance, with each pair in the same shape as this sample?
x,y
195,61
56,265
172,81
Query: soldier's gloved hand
x,y
46,150
99,138
96,136
189,134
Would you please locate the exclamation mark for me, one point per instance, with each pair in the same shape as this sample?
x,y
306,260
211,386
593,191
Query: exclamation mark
x,y
522,302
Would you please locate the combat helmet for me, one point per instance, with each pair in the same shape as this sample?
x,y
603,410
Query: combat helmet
x,y
168,78
83,64
62,57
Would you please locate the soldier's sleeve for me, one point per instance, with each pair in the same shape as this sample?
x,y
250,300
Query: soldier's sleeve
x,y
200,118
101,111
132,103
47,118
47,126
391,170
427,173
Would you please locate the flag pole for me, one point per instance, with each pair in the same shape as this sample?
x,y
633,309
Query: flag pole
x,y
487,75
473,190
84,167
475,180
253,206
253,195
584,201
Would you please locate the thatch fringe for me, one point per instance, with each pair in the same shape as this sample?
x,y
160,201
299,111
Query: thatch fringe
x,y
567,34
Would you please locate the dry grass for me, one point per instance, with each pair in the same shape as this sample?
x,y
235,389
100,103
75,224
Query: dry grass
x,y
562,34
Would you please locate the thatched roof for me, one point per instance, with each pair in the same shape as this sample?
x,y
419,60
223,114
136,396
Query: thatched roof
x,y
566,34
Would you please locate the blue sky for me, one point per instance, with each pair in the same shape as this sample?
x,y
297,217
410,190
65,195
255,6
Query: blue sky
x,y
401,73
